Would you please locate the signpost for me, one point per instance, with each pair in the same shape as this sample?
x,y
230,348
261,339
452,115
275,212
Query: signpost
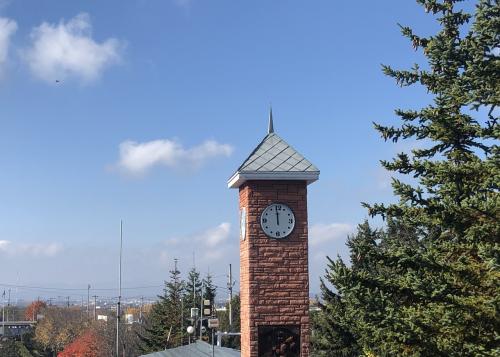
x,y
213,323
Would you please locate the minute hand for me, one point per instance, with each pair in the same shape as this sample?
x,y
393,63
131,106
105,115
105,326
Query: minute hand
x,y
277,218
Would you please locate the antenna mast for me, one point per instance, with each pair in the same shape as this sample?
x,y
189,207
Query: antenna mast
x,y
118,312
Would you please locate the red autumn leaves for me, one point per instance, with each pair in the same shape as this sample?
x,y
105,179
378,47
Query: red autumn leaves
x,y
88,344
33,309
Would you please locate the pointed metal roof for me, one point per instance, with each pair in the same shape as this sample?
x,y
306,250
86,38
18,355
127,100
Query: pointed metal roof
x,y
274,159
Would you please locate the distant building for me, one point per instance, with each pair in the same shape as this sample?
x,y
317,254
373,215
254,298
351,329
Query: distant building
x,y
15,328
129,319
102,317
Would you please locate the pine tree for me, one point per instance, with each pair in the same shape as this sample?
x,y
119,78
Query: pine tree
x,y
164,322
333,331
155,332
209,289
192,289
192,297
359,317
432,289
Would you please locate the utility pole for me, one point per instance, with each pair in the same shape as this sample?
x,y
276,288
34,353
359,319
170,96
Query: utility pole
x,y
194,292
201,309
118,312
95,307
230,288
3,314
182,306
182,321
140,311
8,306
67,299
88,299
194,302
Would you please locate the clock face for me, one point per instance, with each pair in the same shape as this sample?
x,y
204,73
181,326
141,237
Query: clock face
x,y
243,223
277,220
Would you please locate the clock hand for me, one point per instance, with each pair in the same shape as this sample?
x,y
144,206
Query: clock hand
x,y
277,218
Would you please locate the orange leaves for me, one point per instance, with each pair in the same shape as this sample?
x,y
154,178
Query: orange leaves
x,y
88,344
31,312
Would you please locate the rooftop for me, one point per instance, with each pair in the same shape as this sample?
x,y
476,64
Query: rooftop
x,y
274,159
196,349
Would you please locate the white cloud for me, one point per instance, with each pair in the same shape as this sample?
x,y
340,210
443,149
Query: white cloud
x,y
30,249
321,233
7,29
4,245
212,244
215,236
67,50
137,158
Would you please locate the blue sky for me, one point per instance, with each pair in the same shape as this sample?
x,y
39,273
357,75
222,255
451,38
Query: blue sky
x,y
158,102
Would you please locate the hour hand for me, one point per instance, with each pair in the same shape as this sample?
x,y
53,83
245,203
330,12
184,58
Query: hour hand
x,y
277,218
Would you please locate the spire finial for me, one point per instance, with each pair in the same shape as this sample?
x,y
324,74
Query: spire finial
x,y
270,128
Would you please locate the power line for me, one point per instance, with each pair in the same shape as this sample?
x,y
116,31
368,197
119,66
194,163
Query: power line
x,y
78,289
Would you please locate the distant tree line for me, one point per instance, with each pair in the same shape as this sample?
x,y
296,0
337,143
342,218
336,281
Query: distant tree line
x,y
68,331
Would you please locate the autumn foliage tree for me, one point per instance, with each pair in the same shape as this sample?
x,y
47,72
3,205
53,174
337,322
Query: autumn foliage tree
x,y
33,310
58,328
88,344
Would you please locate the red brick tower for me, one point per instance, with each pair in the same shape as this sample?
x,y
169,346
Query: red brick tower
x,y
274,280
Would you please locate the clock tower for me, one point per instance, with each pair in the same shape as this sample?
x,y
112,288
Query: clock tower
x,y
274,274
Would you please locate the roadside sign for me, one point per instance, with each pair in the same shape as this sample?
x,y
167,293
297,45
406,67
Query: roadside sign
x,y
194,312
213,323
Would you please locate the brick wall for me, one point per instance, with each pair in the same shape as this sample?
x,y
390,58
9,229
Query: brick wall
x,y
274,278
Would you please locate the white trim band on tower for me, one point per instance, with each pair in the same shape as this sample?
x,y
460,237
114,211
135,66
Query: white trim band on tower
x,y
240,177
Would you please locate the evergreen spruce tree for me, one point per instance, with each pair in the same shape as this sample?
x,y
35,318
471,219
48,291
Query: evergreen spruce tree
x,y
192,297
359,317
209,289
154,336
164,322
192,289
431,284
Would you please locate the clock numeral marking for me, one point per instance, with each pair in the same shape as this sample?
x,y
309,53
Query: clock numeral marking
x,y
278,208
290,220
264,220
277,234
